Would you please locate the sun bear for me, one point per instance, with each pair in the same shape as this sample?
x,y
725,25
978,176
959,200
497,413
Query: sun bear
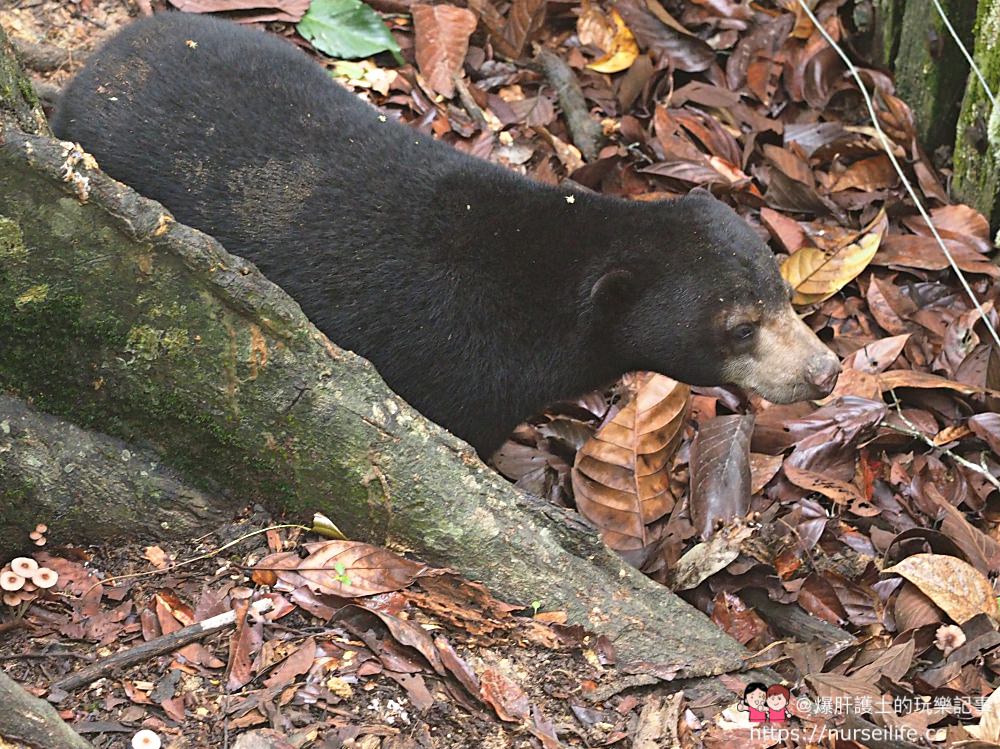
x,y
480,295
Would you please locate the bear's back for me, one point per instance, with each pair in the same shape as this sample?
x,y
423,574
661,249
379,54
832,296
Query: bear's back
x,y
237,132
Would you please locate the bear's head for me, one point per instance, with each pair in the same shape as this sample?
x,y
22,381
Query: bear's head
x,y
697,296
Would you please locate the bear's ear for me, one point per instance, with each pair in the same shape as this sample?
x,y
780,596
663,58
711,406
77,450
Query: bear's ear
x,y
614,286
700,192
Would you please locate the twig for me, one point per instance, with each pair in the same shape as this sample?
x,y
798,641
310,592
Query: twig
x,y
912,431
61,654
42,58
206,555
470,104
154,648
585,131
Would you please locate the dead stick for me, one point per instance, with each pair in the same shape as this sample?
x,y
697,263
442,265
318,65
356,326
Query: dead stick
x,y
153,648
584,129
42,58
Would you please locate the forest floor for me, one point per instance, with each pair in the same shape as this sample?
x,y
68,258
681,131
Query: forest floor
x,y
865,572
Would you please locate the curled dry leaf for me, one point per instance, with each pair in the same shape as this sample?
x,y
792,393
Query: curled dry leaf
x,y
621,477
681,50
442,41
622,51
705,559
720,472
341,568
955,586
816,275
989,721
507,698
360,620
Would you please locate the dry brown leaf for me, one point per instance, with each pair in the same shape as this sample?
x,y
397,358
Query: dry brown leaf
x,y
621,476
442,40
507,698
298,663
763,468
257,11
954,585
911,378
988,728
720,472
622,51
705,559
816,275
875,173
341,568
841,492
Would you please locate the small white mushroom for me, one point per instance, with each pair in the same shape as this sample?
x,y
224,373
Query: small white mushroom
x,y
11,599
145,739
24,566
11,581
44,578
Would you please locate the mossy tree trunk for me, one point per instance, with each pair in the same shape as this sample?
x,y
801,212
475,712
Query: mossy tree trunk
x,y
930,69
121,321
977,139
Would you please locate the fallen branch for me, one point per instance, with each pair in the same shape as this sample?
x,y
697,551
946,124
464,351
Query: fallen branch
x,y
154,648
583,128
42,58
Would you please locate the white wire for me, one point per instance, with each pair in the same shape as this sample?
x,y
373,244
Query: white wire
x,y
968,57
906,182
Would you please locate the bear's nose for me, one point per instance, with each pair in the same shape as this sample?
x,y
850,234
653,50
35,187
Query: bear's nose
x,y
823,373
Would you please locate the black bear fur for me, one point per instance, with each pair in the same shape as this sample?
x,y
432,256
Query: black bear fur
x,y
479,295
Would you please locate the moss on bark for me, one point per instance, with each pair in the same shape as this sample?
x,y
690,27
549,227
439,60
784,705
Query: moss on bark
x,y
977,138
930,69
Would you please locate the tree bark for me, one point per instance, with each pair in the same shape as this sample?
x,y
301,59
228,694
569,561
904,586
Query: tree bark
x,y
931,71
101,487
116,318
977,140
30,722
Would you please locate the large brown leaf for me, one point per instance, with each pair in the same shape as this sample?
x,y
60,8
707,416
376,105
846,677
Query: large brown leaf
x,y
924,253
260,10
816,275
681,51
956,586
342,568
442,41
621,476
720,472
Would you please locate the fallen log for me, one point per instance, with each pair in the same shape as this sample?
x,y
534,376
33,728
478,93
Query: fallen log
x,y
100,486
26,721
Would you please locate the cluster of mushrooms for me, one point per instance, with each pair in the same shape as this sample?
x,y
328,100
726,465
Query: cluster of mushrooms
x,y
23,580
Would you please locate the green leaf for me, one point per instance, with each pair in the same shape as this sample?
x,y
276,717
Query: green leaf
x,y
346,29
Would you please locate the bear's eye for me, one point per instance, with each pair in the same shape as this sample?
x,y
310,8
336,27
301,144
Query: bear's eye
x,y
742,332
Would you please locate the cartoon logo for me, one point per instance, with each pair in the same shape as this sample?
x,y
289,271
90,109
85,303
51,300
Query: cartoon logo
x,y
777,703
765,704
